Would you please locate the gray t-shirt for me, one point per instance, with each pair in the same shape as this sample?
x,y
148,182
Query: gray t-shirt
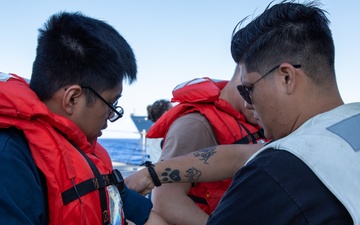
x,y
187,134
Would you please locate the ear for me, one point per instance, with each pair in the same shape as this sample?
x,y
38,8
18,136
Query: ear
x,y
71,98
288,77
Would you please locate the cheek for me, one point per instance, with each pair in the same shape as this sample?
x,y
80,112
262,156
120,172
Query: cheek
x,y
269,109
104,115
94,129
97,121
272,119
265,113
101,119
101,113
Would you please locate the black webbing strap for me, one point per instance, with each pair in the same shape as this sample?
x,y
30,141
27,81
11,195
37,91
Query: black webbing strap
x,y
100,183
251,137
90,185
198,199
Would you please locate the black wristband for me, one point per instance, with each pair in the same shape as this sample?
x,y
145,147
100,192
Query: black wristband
x,y
152,173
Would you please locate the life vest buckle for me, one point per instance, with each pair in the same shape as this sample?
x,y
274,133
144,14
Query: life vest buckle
x,y
118,180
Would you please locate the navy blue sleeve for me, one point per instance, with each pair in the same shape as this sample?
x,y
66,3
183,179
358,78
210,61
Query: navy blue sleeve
x,y
278,188
22,200
136,207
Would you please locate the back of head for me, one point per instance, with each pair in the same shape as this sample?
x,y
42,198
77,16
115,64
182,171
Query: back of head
x,y
158,108
76,49
287,32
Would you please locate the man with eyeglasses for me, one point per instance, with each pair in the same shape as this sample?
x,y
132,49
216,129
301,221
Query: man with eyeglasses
x,y
115,111
310,173
52,169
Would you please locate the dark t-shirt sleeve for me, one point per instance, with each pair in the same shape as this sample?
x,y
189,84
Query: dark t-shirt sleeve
x,y
278,188
22,200
136,207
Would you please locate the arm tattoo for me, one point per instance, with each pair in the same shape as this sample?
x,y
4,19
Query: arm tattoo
x,y
173,175
205,154
170,175
193,174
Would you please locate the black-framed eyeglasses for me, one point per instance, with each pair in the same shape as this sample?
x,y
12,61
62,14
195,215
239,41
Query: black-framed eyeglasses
x,y
246,91
115,112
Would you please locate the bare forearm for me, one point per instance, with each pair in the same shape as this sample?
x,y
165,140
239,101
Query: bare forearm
x,y
206,165
175,206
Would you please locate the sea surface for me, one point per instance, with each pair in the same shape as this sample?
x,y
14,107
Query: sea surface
x,y
129,151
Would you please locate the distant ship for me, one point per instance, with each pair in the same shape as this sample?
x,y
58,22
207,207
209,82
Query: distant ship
x,y
142,123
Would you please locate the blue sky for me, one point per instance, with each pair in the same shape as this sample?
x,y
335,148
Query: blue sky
x,y
173,41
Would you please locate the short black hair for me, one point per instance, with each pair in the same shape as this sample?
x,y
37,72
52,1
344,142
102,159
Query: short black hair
x,y
287,32
157,109
77,49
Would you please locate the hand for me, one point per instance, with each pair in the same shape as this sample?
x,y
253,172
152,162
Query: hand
x,y
140,182
130,223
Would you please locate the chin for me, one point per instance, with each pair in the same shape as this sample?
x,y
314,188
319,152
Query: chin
x,y
255,122
92,139
268,135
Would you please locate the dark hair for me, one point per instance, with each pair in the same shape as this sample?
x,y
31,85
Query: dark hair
x,y
287,32
76,49
157,109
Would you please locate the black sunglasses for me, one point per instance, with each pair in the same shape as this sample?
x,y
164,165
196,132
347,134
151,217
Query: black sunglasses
x,y
115,113
246,91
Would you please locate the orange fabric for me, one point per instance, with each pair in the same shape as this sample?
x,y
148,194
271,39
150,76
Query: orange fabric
x,y
51,138
202,95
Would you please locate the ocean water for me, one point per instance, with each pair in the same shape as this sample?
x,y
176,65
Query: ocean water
x,y
129,151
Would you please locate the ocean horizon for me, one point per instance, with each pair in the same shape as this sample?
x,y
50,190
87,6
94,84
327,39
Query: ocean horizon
x,y
125,150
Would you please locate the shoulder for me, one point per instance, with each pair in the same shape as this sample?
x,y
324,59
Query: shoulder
x,y
192,126
12,138
191,121
21,177
15,154
188,133
193,116
284,169
278,177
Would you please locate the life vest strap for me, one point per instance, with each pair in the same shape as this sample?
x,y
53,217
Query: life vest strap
x,y
198,199
100,183
93,184
251,137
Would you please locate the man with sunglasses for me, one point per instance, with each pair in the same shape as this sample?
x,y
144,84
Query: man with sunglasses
x,y
52,169
310,173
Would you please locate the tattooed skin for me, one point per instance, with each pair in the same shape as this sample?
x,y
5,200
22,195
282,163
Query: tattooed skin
x,y
173,175
205,154
170,175
193,174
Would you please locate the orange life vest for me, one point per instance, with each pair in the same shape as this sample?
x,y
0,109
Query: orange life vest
x,y
202,95
62,153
